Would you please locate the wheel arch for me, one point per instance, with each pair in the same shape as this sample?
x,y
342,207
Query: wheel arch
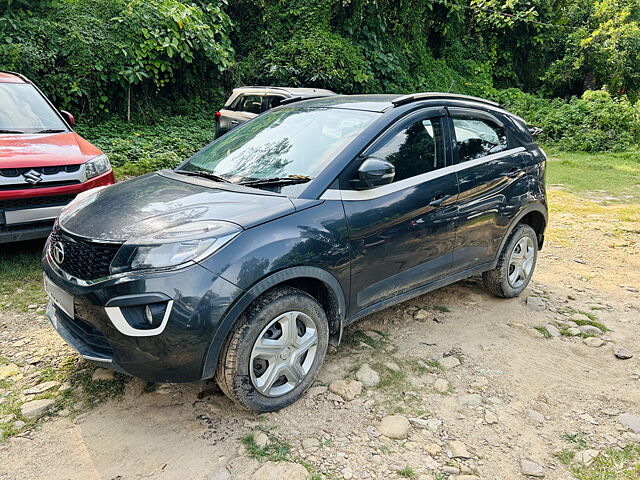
x,y
318,283
535,215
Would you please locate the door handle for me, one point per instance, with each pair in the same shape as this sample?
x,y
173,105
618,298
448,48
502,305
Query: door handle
x,y
438,199
513,173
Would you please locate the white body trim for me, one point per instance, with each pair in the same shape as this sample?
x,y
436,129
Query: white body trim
x,y
354,195
121,324
32,214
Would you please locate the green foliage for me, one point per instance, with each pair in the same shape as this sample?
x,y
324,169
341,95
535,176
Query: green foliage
x,y
85,54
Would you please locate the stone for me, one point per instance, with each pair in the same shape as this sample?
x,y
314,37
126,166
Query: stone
x,y
574,331
450,470
441,385
346,389
467,477
432,449
18,424
553,330
392,366
135,387
630,422
450,362
347,473
457,449
367,376
102,374
260,439
470,400
36,408
536,303
532,469
220,473
7,371
585,457
622,353
590,330
421,315
594,342
280,471
490,418
310,443
535,416
40,388
315,391
373,335
394,426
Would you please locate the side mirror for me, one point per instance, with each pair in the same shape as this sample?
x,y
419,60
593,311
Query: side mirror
x,y
68,117
374,172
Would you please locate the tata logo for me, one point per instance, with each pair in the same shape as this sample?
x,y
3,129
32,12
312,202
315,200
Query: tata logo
x,y
32,177
57,252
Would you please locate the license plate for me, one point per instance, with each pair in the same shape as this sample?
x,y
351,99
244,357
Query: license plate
x,y
59,297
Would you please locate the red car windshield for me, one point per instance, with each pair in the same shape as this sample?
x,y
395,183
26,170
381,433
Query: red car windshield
x,y
24,110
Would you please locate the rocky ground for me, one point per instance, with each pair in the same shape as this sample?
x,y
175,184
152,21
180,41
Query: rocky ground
x,y
455,384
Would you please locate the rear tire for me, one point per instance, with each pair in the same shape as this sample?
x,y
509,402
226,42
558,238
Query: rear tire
x,y
275,352
516,264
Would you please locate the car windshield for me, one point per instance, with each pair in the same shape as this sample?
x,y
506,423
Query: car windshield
x,y
24,110
290,143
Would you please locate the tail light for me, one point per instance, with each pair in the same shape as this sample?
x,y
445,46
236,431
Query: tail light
x,y
217,116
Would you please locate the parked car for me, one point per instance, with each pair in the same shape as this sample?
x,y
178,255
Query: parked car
x,y
44,164
249,258
246,103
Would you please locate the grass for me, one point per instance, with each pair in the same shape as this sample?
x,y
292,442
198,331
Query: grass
x,y
565,456
543,330
276,451
614,174
612,464
576,437
21,275
406,472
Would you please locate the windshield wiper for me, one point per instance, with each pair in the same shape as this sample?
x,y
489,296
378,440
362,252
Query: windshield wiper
x,y
51,130
290,180
10,131
203,174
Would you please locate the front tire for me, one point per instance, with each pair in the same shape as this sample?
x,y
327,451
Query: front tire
x,y
275,352
516,264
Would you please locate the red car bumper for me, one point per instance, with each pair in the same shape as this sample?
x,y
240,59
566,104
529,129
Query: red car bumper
x,y
30,213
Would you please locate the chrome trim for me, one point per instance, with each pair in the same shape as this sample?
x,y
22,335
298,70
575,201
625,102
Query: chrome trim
x,y
355,195
32,214
96,359
121,324
79,175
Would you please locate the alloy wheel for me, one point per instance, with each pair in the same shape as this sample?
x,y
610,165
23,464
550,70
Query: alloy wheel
x,y
521,262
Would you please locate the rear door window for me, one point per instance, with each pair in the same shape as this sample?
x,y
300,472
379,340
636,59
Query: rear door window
x,y
478,137
251,104
272,101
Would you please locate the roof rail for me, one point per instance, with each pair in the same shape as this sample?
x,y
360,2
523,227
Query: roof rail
x,y
414,97
266,87
297,98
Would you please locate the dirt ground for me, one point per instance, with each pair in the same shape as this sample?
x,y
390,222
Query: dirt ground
x,y
519,393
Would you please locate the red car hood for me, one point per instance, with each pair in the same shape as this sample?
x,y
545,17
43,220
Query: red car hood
x,y
22,151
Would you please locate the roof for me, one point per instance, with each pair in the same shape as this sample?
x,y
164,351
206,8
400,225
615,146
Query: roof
x,y
293,91
9,77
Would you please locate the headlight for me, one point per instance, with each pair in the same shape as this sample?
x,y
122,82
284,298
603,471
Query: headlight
x,y
174,246
97,166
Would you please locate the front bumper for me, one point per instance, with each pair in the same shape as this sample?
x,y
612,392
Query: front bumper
x,y
177,353
30,213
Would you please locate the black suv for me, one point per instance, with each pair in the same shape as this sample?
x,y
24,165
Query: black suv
x,y
249,258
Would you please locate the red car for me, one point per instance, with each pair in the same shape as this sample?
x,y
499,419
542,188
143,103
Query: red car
x,y
44,164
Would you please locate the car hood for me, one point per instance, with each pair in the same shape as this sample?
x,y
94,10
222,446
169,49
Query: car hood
x,y
157,201
41,150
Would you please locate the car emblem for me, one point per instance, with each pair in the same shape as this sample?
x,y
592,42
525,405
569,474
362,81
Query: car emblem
x,y
57,252
32,177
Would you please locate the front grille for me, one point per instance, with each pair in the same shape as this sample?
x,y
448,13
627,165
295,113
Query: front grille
x,y
48,170
35,202
84,332
43,184
82,259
